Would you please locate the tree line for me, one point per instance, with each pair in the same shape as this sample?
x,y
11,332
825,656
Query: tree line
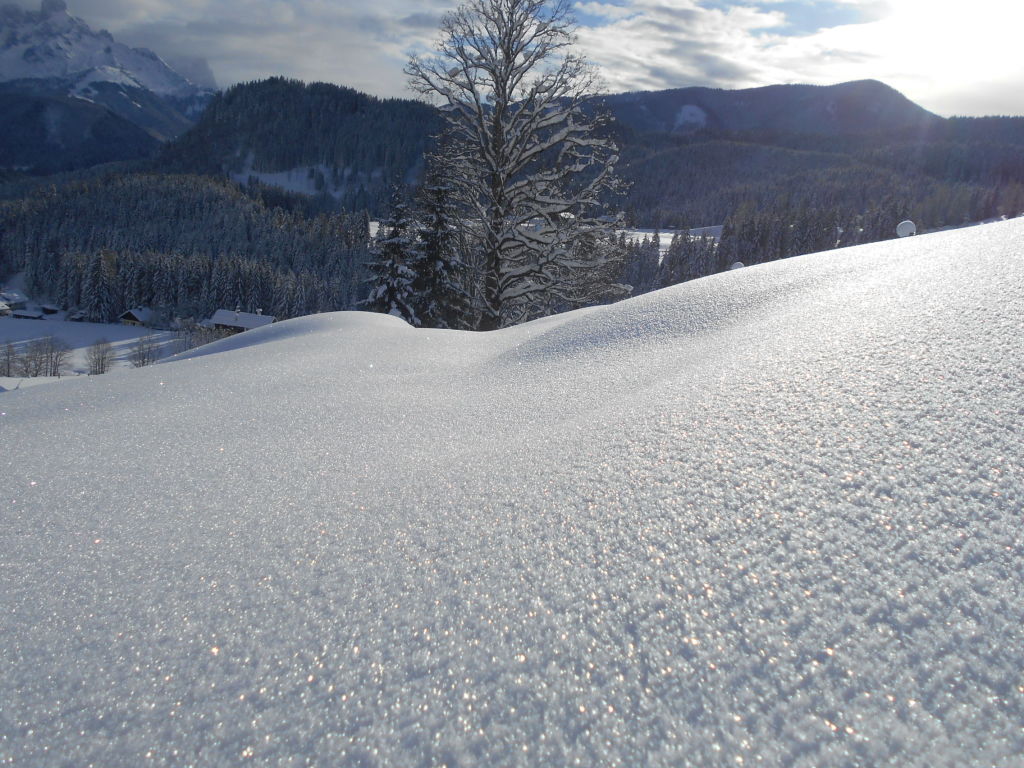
x,y
185,246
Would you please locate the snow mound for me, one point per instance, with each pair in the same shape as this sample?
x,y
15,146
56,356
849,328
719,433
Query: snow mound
x,y
290,331
769,518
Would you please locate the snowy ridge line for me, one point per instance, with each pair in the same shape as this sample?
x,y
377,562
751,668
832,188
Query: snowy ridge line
x,y
53,44
770,516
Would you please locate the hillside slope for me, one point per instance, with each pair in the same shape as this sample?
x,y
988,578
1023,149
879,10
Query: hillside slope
x,y
51,133
314,138
770,516
690,157
860,108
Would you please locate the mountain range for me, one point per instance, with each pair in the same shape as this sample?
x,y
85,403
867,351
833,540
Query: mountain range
x,y
85,96
691,156
71,98
861,108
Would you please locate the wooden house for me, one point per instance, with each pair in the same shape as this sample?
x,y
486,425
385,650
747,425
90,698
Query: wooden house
x,y
13,299
139,316
236,322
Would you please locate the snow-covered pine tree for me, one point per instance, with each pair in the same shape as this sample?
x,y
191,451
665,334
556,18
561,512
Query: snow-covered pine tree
x,y
97,299
641,270
441,299
532,165
673,267
392,279
704,257
630,274
650,260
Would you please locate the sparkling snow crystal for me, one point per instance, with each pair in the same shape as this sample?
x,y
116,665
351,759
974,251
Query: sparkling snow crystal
x,y
767,518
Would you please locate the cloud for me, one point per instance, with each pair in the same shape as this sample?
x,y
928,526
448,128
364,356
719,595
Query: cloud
x,y
422,21
676,43
360,44
936,53
595,11
950,57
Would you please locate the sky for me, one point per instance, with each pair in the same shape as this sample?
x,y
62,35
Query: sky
x,y
952,57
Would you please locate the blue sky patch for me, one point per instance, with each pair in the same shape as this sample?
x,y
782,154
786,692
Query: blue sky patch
x,y
804,17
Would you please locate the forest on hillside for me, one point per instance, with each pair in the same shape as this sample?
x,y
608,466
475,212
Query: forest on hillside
x,y
355,147
185,245
178,235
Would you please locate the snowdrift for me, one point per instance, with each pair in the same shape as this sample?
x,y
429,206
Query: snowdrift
x,y
771,517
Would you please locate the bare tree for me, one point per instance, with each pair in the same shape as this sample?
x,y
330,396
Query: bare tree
x,y
32,360
99,357
191,335
56,353
144,352
8,359
47,356
532,165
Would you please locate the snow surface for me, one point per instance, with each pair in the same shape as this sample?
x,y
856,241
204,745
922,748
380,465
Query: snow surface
x,y
691,116
771,517
293,180
300,180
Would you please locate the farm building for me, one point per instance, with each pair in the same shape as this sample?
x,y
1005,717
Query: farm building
x,y
236,322
138,316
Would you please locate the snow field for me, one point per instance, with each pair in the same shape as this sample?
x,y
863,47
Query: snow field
x,y
770,517
79,337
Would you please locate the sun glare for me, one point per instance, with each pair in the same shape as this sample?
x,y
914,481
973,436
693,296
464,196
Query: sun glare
x,y
938,53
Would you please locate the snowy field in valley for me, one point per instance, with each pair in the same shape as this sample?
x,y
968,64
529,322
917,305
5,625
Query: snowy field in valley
x,y
78,337
665,235
767,518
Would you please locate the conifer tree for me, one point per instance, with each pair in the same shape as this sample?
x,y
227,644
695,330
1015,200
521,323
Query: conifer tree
x,y
673,268
392,279
97,298
441,299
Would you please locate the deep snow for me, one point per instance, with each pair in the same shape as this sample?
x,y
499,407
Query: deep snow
x,y
771,517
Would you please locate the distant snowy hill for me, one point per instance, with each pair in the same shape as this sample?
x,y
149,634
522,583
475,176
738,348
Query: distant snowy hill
x,y
49,54
691,156
51,43
47,133
312,138
859,108
766,518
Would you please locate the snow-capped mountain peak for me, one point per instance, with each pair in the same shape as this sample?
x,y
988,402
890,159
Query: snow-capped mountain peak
x,y
52,44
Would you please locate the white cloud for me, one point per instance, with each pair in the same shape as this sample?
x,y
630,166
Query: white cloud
x,y
604,10
363,45
675,43
950,57
935,52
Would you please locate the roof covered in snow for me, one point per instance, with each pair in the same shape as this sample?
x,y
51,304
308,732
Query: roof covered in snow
x,y
142,315
766,518
244,320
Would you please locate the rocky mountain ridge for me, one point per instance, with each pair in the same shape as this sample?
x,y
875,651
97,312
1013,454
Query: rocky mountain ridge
x,y
55,67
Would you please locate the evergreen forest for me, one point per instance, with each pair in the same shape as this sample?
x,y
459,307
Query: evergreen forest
x,y
194,229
